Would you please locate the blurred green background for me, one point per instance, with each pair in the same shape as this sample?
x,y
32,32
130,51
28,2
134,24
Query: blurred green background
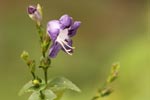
x,y
111,31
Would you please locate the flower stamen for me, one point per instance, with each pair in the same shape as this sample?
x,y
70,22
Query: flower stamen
x,y
63,46
68,45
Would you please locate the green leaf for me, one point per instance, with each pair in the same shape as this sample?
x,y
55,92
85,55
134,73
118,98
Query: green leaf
x,y
62,84
48,95
35,96
30,87
26,88
34,88
59,95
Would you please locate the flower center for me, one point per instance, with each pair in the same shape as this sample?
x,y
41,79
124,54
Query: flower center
x,y
61,39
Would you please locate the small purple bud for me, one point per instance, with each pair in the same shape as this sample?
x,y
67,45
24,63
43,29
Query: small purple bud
x,y
35,13
31,9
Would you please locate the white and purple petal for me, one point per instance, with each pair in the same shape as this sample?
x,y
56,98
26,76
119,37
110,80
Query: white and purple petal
x,y
73,29
66,21
60,32
53,29
54,49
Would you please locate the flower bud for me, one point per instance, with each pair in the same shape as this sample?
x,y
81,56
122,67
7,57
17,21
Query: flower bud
x,y
114,73
35,13
36,82
25,55
106,91
45,44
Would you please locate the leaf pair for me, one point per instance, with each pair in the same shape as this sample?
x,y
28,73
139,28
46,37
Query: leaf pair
x,y
48,95
53,91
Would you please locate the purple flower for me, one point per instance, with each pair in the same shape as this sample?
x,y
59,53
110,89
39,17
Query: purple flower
x,y
35,13
60,32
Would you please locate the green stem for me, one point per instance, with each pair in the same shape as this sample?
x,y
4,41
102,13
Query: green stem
x,y
33,74
40,32
43,53
45,74
42,96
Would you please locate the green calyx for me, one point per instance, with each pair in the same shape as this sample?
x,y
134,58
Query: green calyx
x,y
45,62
